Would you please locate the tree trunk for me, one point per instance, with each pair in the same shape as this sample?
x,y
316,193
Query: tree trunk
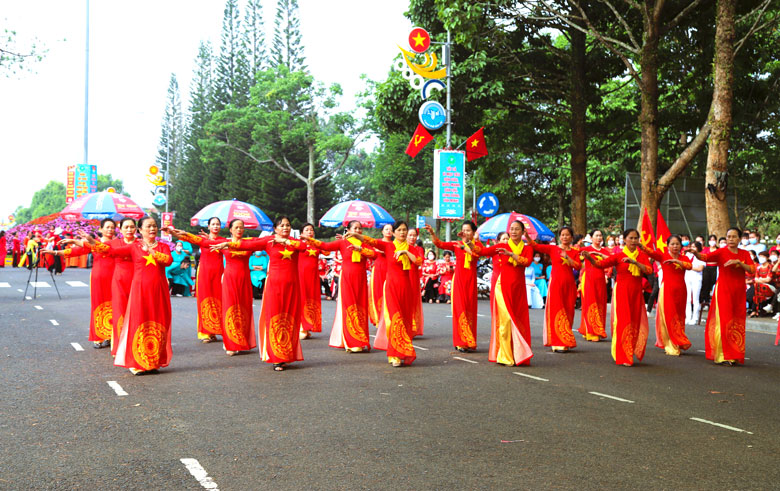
x,y
716,178
648,121
310,187
578,138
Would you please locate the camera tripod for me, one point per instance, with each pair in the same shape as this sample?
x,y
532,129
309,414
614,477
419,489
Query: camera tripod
x,y
34,266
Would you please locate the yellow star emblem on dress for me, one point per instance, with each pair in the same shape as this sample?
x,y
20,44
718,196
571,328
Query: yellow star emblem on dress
x,y
286,254
150,259
311,252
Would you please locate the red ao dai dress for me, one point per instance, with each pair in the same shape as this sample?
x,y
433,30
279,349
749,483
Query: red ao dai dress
x,y
561,297
280,316
510,327
725,332
670,318
593,289
311,293
464,293
629,314
101,310
208,285
145,337
350,326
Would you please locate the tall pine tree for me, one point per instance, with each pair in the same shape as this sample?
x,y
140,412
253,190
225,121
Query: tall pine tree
x,y
190,193
254,38
232,72
171,148
287,48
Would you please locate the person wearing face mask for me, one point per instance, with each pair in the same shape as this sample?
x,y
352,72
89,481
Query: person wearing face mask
x,y
430,278
670,318
763,288
593,290
754,244
725,331
745,241
178,256
776,247
540,278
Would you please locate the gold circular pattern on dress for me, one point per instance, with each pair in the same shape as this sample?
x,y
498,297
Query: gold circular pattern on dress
x,y
147,342
563,328
119,327
311,314
464,328
595,318
281,335
211,315
736,334
357,323
628,342
103,316
235,320
399,336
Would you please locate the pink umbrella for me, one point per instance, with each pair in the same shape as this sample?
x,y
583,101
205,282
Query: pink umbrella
x,y
96,206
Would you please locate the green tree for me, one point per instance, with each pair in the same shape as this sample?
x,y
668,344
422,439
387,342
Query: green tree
x,y
232,69
46,201
170,152
16,56
287,49
254,37
105,181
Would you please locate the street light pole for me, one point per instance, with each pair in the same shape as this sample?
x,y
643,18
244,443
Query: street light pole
x,y
86,96
448,61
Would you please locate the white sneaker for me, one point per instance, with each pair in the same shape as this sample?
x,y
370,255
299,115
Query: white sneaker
x,y
777,316
768,308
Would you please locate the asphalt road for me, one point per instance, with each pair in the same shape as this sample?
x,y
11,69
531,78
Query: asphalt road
x,y
350,421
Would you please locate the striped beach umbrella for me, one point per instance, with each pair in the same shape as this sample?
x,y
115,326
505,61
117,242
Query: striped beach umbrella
x,y
500,223
367,213
97,206
253,217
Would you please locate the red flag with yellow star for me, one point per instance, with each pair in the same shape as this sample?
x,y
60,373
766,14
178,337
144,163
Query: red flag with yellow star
x,y
662,233
476,146
420,138
646,234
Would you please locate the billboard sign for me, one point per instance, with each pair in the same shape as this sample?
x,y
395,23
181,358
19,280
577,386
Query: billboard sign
x,y
449,169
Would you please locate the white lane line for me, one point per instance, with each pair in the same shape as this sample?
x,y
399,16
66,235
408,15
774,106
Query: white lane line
x,y
701,351
76,283
38,307
40,284
531,376
4,284
426,349
77,346
722,425
53,322
199,473
28,298
117,388
611,397
465,359
20,290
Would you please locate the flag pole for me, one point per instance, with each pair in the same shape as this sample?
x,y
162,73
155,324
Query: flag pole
x,y
448,61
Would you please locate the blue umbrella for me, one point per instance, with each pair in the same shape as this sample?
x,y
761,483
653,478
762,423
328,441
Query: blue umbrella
x,y
367,213
252,216
97,206
500,223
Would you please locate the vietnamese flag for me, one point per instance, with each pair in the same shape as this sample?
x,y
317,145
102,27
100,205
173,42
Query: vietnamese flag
x,y
476,146
646,235
662,232
420,138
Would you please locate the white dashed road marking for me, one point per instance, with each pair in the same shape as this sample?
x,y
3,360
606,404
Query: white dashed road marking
x,y
4,284
76,283
77,346
611,397
531,376
465,359
117,388
199,473
54,322
722,426
40,284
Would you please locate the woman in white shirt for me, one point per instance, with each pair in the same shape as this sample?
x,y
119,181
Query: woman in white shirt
x,y
693,279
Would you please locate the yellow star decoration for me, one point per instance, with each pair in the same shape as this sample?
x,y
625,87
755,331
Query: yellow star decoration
x,y
311,252
419,40
150,260
475,143
286,254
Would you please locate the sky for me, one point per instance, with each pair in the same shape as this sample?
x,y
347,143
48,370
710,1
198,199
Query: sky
x,y
134,48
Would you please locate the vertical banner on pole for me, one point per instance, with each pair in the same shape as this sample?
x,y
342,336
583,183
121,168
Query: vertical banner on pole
x,y
70,184
449,168
166,218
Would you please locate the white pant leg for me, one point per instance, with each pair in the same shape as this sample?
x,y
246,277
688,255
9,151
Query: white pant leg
x,y
692,305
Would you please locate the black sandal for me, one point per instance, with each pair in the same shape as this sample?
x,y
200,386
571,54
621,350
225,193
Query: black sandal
x,y
278,367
